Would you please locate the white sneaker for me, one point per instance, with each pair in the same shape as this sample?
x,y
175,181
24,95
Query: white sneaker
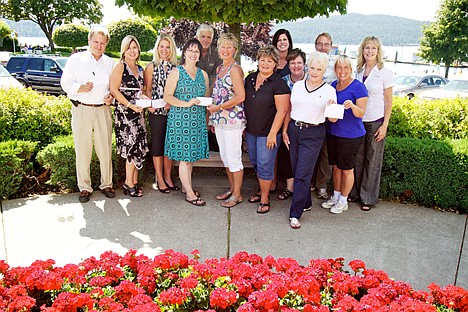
x,y
330,203
339,207
322,194
294,223
307,209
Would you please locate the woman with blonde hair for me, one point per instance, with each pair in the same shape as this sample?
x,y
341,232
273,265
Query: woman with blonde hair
x,y
379,82
126,85
156,72
304,130
345,136
227,117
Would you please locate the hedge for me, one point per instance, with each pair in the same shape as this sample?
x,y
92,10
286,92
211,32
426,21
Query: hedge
x,y
426,172
31,116
15,161
440,119
59,158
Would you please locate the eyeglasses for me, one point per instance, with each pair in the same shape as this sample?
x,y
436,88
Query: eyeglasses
x,y
320,44
193,51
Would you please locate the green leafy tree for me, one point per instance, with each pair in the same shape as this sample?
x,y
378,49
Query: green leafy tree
x,y
71,35
235,12
5,31
51,13
446,39
143,31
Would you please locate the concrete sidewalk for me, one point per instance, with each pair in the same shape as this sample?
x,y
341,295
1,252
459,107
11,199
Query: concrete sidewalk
x,y
413,244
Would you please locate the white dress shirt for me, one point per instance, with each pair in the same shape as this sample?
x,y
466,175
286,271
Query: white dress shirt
x,y
82,67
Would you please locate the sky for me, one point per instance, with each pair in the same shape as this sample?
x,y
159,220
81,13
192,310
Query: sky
x,y
422,10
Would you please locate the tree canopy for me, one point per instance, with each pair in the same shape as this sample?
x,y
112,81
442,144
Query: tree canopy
x,y
51,13
139,28
446,39
71,35
235,12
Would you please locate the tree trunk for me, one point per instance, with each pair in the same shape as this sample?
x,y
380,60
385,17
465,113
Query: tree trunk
x,y
235,30
447,67
51,43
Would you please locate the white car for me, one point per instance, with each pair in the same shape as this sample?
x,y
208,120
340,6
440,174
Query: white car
x,y
411,85
7,81
4,57
453,89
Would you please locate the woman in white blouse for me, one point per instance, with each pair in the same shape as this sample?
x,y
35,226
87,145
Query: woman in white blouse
x,y
379,82
304,130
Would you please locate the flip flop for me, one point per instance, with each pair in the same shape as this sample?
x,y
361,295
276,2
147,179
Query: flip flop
x,y
196,202
261,206
367,207
255,198
224,196
231,202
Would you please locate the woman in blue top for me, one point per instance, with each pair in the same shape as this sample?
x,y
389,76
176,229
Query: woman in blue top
x,y
186,132
345,137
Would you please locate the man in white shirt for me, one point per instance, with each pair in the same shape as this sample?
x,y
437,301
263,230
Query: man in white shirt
x,y
85,79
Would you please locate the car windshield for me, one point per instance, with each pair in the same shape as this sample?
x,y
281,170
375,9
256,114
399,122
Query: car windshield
x,y
61,62
457,85
3,72
406,80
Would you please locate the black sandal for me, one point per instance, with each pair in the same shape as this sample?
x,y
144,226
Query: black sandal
x,y
367,207
261,206
285,194
196,202
132,191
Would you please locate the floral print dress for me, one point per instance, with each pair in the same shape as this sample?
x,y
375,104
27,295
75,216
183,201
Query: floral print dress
x,y
130,130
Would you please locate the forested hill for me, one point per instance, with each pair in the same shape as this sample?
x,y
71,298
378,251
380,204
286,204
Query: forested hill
x,y
352,28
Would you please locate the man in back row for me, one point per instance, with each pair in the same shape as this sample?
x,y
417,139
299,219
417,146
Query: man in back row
x,y
85,79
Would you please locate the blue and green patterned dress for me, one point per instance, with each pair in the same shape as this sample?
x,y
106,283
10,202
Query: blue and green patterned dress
x,y
186,132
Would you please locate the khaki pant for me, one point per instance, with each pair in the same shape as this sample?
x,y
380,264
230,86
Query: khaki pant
x,y
92,124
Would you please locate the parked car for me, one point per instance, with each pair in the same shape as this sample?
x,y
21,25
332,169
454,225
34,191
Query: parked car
x,y
453,89
410,85
7,81
42,73
4,57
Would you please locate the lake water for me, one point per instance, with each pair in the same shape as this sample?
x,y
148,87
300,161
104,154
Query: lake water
x,y
402,53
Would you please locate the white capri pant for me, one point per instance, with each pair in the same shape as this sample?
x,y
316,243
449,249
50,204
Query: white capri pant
x,y
230,147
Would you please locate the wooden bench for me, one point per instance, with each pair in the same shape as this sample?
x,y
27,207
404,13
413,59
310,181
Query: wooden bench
x,y
215,161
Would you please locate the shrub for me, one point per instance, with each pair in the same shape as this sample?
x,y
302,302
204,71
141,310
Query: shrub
x,y
426,172
440,119
139,28
15,160
31,116
71,35
59,158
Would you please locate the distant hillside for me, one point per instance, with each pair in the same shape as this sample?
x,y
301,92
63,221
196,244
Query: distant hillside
x,y
25,28
350,29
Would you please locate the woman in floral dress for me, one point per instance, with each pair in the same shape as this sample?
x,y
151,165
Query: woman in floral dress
x,y
186,132
227,117
126,84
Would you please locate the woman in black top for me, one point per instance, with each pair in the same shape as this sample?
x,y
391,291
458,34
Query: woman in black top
x,y
266,104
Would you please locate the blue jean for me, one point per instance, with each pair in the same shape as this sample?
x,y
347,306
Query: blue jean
x,y
304,150
262,158
368,167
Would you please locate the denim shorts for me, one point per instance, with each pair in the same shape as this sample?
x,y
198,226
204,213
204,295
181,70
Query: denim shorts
x,y
261,158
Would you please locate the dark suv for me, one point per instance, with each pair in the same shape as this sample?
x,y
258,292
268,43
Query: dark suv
x,y
42,73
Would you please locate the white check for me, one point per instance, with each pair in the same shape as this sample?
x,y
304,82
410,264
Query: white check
x,y
334,111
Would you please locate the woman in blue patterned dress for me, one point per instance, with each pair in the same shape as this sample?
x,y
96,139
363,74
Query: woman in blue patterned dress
x,y
126,84
186,132
156,73
228,118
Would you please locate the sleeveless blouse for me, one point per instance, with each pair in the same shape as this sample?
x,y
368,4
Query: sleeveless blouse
x,y
223,91
159,82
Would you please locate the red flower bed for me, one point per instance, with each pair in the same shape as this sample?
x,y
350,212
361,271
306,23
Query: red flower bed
x,y
244,283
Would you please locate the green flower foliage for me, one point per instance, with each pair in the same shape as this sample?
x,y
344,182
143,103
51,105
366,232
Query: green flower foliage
x,y
71,35
15,157
426,172
143,31
28,115
440,119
